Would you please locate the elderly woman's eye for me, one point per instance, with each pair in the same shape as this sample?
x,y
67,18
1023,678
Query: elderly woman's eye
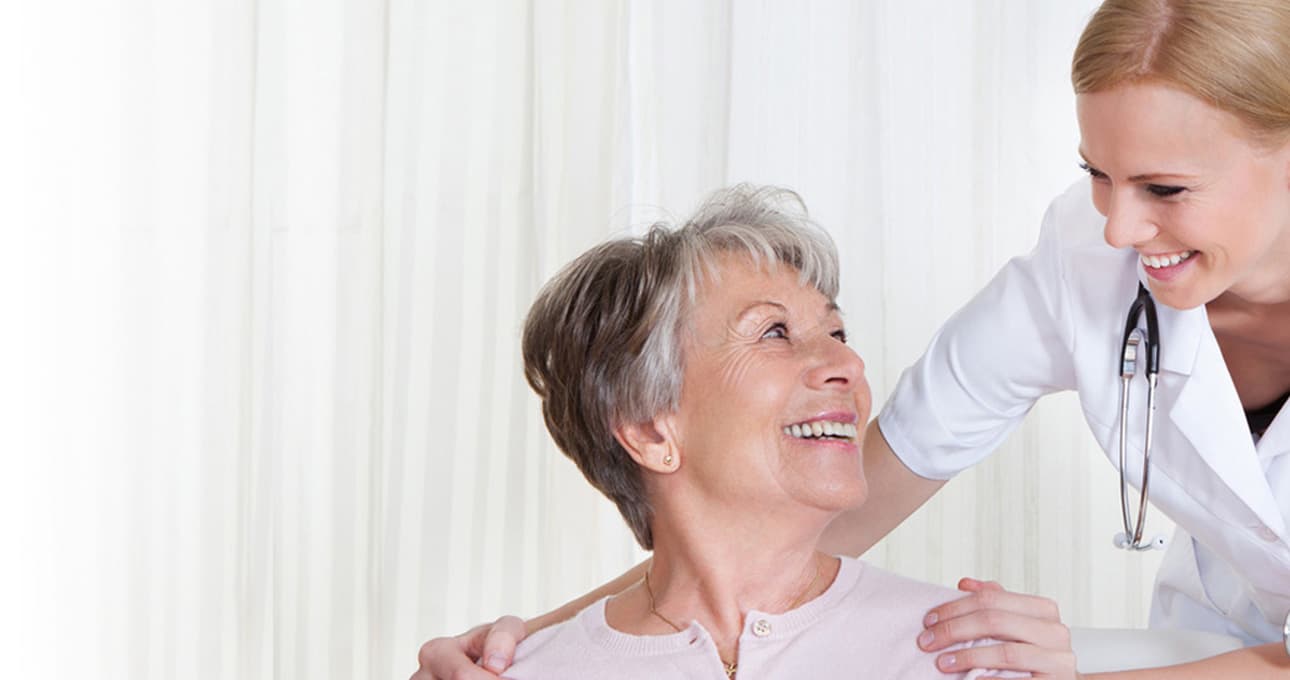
x,y
779,330
841,336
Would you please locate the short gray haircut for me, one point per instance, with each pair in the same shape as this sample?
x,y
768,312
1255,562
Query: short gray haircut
x,y
602,343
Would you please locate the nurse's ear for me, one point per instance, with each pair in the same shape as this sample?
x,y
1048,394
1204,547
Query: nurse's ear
x,y
1284,154
652,444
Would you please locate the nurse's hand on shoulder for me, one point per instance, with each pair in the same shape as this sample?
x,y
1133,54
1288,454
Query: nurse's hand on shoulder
x,y
1029,630
456,658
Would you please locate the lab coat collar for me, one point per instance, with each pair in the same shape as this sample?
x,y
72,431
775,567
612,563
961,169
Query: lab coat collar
x,y
1207,412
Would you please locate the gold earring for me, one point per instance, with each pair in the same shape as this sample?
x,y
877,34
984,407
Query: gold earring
x,y
667,460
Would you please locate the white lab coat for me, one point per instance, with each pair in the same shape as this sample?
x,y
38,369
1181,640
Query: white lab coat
x,y
1054,320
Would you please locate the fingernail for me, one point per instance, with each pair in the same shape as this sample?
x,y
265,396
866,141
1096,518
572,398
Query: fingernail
x,y
496,662
930,619
946,662
926,638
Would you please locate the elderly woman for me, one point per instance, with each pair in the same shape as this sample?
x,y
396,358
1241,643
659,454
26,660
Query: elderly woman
x,y
700,378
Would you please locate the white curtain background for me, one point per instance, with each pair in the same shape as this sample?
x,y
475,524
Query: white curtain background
x,y
264,262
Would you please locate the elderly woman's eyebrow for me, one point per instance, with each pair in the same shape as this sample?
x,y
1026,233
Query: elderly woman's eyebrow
x,y
830,308
746,311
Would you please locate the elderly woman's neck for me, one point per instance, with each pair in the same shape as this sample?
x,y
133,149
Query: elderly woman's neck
x,y
716,573
764,580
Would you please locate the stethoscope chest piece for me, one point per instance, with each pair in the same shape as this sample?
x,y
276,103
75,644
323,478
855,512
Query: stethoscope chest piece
x,y
1285,633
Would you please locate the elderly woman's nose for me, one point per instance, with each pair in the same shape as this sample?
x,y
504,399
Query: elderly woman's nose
x,y
838,365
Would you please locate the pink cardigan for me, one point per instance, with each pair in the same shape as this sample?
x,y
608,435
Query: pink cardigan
x,y
863,626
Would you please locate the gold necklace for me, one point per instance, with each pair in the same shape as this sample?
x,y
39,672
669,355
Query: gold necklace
x,y
731,667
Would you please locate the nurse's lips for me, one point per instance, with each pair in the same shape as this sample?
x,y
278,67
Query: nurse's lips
x,y
1167,272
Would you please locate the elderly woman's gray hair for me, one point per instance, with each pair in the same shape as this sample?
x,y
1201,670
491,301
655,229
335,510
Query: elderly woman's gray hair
x,y
603,341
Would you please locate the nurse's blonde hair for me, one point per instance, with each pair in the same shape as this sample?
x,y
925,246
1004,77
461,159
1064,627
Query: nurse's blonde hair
x,y
1233,54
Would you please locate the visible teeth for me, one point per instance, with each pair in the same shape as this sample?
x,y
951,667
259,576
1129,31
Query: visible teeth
x,y
1158,261
822,428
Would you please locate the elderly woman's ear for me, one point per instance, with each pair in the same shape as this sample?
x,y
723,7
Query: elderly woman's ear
x,y
652,444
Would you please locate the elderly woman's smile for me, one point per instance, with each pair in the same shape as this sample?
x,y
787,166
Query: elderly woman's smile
x,y
772,397
835,428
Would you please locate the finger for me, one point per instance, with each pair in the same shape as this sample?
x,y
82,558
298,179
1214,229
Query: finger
x,y
1012,656
499,645
974,585
471,642
999,625
466,672
445,658
1027,605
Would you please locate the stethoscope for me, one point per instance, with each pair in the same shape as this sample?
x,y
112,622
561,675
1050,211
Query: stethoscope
x,y
1148,346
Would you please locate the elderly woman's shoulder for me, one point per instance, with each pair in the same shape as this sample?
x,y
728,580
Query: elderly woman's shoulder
x,y
586,647
552,652
891,605
881,616
878,587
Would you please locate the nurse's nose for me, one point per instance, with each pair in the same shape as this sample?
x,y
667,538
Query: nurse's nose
x,y
1128,221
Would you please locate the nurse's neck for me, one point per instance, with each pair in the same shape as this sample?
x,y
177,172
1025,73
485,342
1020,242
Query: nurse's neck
x,y
1266,304
1254,339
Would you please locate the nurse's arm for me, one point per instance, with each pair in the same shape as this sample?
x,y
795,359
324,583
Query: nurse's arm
x,y
1251,663
894,494
493,645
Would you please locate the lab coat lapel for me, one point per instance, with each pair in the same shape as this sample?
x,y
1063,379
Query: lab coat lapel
x,y
1208,414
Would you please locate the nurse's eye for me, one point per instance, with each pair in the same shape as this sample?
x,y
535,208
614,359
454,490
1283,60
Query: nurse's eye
x,y
1164,190
1092,171
778,331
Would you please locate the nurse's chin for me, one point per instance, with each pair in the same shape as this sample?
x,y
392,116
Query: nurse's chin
x,y
1183,288
1181,301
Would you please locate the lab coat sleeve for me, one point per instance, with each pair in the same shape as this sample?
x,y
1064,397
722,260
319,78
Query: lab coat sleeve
x,y
986,367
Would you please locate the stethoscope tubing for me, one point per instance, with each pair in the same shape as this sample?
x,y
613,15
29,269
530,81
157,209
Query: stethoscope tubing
x,y
1138,347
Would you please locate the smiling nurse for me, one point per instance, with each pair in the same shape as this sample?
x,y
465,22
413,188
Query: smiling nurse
x,y
1184,114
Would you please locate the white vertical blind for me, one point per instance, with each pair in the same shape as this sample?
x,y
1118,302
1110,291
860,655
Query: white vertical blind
x,y
263,265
